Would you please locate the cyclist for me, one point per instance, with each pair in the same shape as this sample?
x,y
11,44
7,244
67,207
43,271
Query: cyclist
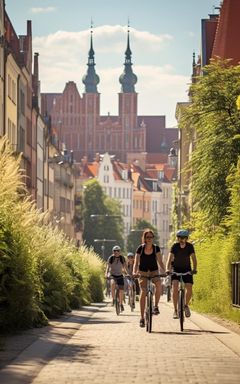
x,y
130,281
180,258
116,265
148,261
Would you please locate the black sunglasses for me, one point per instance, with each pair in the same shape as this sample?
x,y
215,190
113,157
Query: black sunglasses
x,y
149,237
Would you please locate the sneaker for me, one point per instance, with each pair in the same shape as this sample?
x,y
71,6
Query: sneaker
x,y
187,311
175,315
122,308
156,311
142,323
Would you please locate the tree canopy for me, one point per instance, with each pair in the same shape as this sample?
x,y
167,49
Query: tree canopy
x,y
103,223
214,117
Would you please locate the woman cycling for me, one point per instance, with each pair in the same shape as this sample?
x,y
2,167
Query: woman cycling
x,y
148,262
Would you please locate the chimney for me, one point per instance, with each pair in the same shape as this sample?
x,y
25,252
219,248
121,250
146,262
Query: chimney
x,y
35,82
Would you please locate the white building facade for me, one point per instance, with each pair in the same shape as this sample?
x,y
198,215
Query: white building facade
x,y
117,186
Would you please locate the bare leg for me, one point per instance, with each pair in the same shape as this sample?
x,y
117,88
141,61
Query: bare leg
x,y
175,284
121,296
188,295
142,302
113,289
157,292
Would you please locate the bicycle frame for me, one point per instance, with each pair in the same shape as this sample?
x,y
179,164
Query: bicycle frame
x,y
148,311
149,306
116,293
131,292
181,297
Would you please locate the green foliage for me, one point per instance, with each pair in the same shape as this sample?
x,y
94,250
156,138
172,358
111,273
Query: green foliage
x,y
213,122
135,236
107,222
42,274
213,114
212,288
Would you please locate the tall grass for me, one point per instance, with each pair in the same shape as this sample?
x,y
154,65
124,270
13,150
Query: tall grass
x,y
42,274
212,291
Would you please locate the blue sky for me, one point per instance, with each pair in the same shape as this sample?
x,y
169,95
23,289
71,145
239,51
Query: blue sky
x,y
163,36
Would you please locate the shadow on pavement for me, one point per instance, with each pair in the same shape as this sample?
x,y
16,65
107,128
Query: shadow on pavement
x,y
189,332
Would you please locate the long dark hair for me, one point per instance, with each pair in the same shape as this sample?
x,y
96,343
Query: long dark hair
x,y
145,232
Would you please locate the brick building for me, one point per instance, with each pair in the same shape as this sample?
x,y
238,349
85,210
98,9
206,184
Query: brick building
x,y
78,122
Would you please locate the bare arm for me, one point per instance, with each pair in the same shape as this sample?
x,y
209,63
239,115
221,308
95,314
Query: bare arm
x,y
125,268
136,264
169,261
160,261
107,270
194,261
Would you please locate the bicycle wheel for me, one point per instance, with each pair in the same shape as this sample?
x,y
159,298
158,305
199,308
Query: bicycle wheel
x,y
131,298
149,313
181,308
168,293
117,302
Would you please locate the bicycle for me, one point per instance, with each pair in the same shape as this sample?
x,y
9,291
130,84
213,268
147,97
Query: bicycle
x,y
108,288
149,306
181,296
131,292
116,293
168,288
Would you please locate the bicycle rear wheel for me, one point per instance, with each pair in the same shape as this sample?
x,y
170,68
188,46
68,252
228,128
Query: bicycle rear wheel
x,y
168,293
149,313
117,302
181,308
131,298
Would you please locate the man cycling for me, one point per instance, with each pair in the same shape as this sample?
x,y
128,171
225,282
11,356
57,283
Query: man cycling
x,y
180,258
116,265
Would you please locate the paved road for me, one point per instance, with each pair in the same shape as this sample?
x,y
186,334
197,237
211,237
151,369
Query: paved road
x,y
94,346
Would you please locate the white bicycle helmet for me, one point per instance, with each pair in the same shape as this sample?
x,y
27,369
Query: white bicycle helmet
x,y
116,248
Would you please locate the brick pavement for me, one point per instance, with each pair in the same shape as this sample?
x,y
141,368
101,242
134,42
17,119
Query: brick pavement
x,y
100,347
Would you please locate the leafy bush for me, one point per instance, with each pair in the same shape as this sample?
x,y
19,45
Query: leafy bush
x,y
42,274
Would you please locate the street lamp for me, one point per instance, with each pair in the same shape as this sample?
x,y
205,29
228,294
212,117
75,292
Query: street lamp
x,y
104,215
103,241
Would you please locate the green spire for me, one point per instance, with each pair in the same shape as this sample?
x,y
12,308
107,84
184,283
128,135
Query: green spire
x,y
91,79
128,79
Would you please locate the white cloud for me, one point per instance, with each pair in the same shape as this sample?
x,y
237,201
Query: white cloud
x,y
43,10
63,57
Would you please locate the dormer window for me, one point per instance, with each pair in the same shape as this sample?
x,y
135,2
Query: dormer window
x,y
161,175
124,174
154,186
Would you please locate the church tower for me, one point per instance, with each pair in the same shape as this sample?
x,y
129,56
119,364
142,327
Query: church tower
x,y
133,137
90,104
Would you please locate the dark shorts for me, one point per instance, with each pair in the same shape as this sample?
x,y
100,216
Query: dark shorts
x,y
186,279
119,280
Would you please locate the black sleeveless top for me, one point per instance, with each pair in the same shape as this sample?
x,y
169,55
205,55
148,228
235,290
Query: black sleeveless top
x,y
148,263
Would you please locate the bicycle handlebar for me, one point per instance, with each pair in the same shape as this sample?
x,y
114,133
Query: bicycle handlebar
x,y
151,277
181,273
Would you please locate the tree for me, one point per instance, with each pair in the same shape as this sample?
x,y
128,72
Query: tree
x,y
213,115
135,236
102,219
